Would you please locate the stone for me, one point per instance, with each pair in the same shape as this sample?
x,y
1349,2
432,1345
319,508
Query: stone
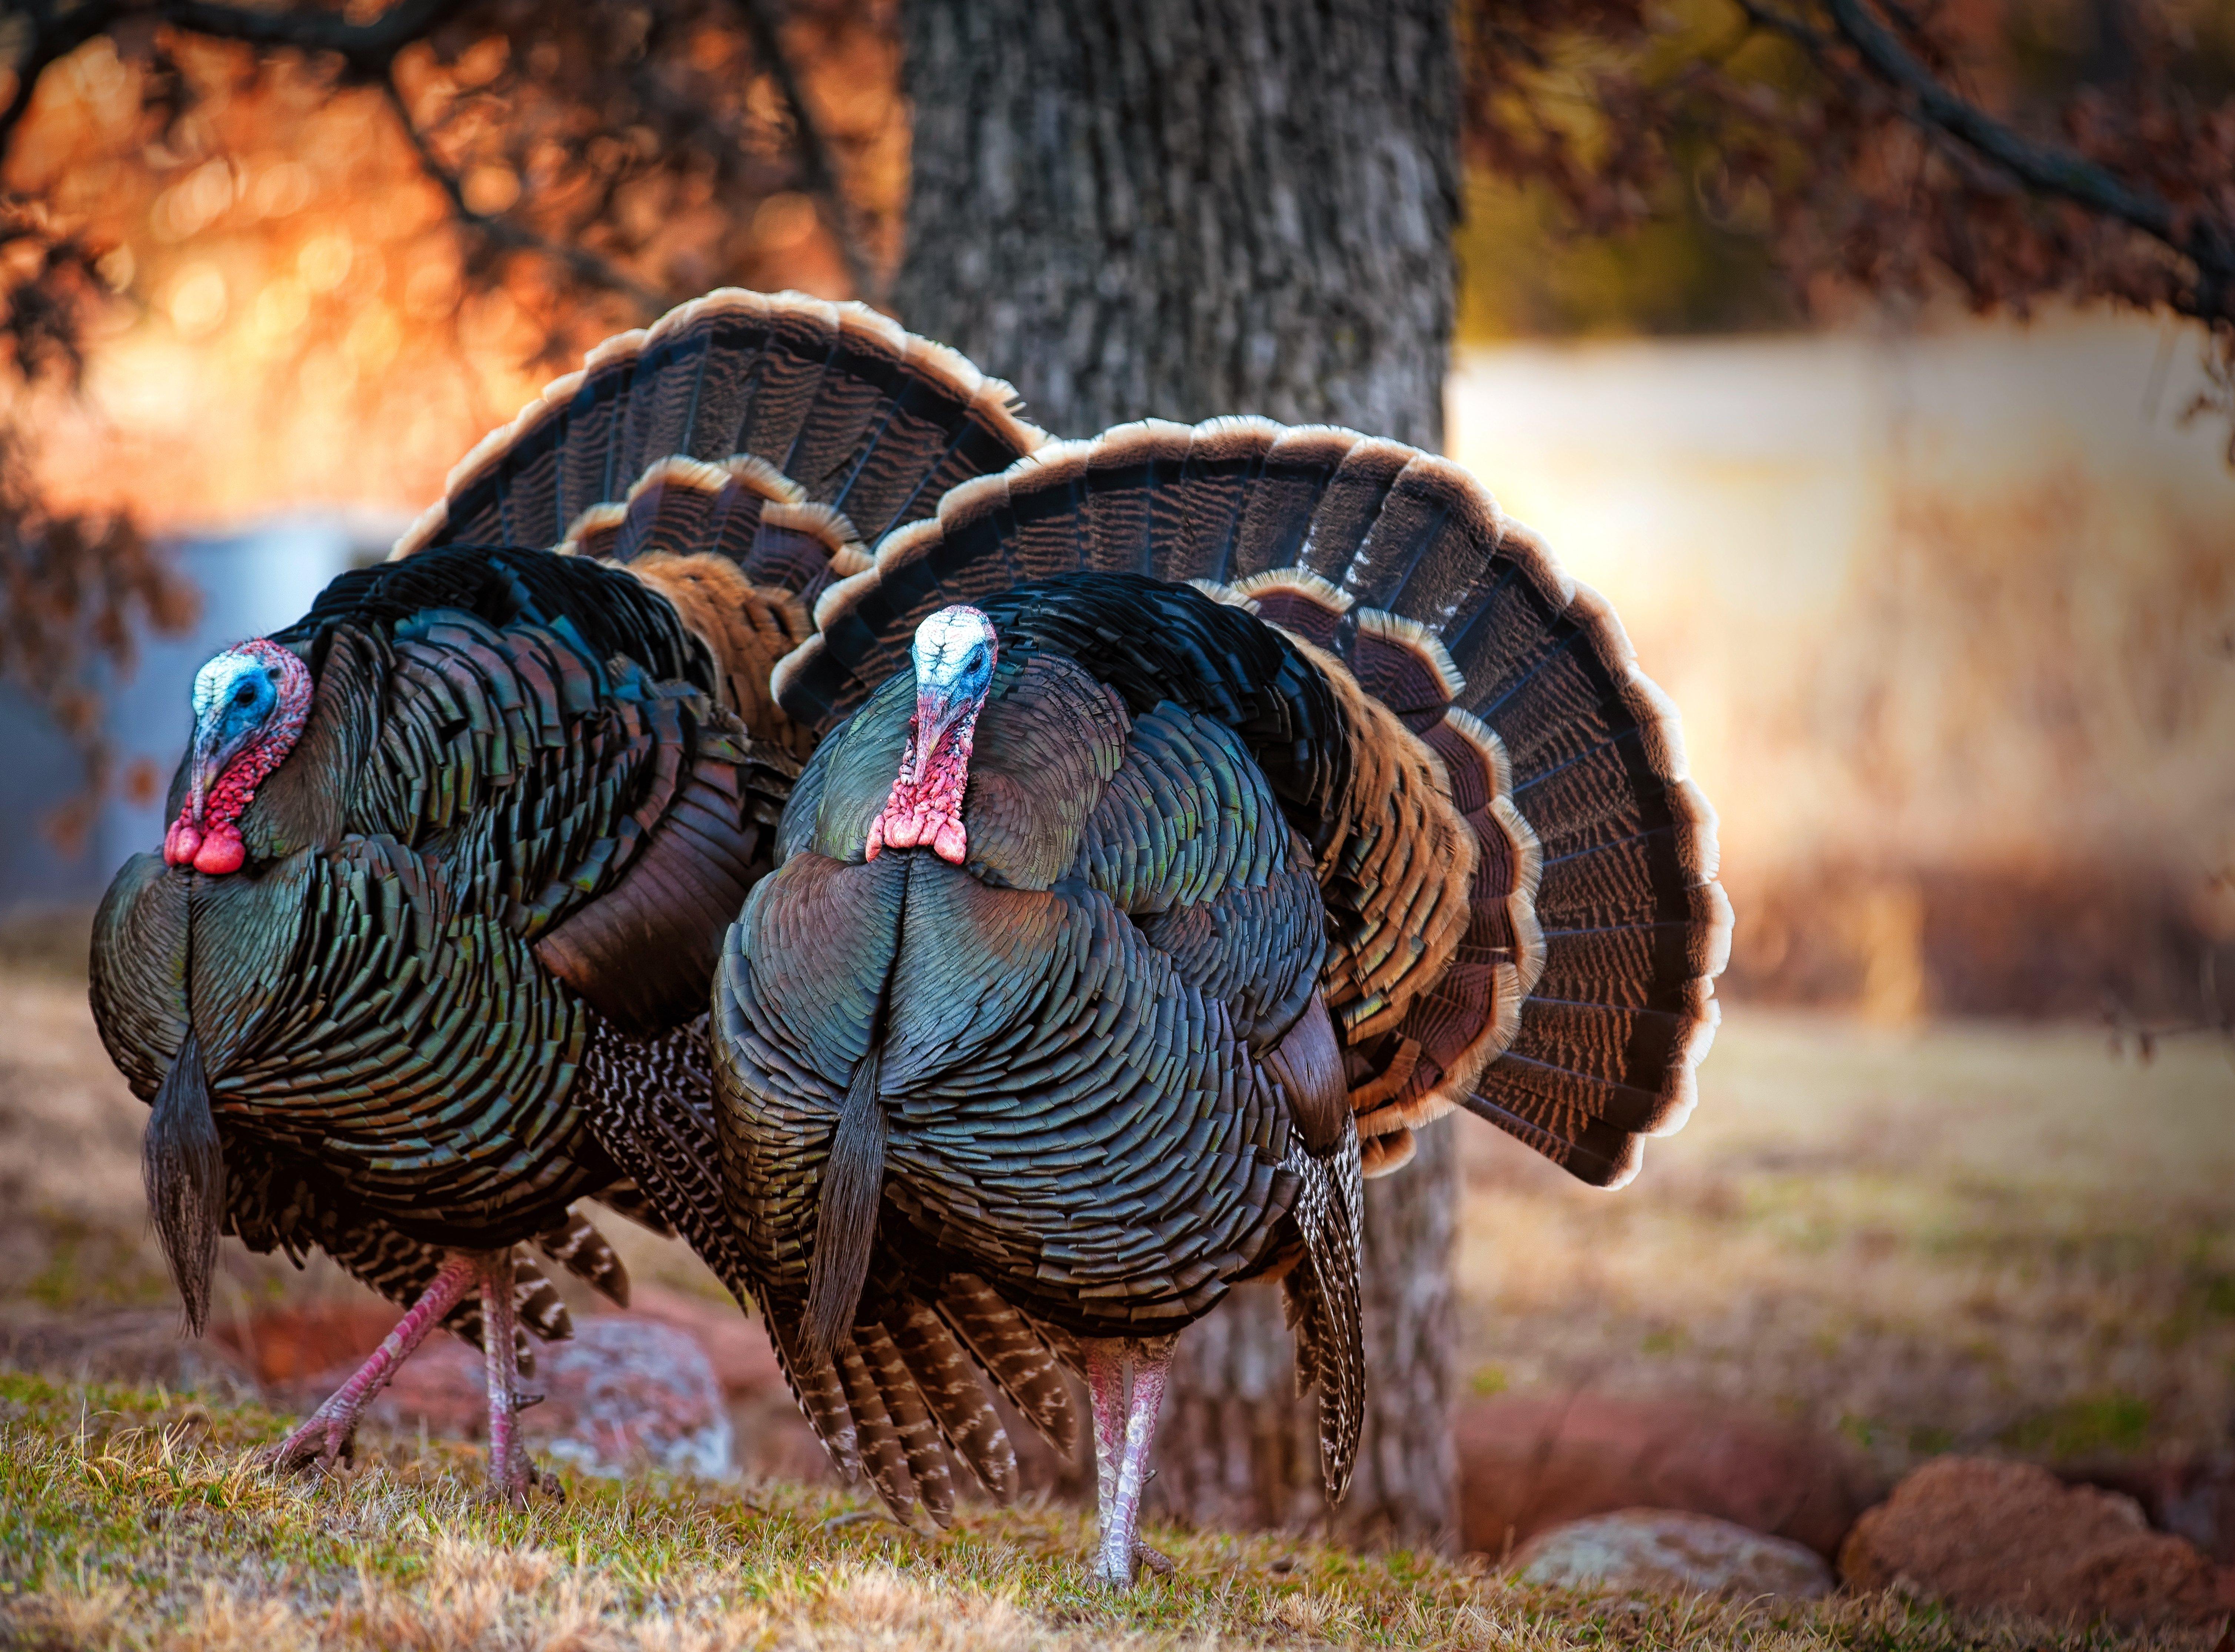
x,y
2192,1496
1978,1533
625,1393
734,1340
1529,1463
622,1394
1669,1551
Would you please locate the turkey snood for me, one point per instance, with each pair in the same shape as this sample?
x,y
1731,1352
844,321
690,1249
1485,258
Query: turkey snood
x,y
250,706
955,653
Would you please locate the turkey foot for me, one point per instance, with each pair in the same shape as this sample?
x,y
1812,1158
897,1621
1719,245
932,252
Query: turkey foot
x,y
325,1436
1125,1382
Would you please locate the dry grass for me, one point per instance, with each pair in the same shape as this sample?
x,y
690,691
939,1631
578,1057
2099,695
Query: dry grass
x,y
1968,1238
133,1519
1953,1236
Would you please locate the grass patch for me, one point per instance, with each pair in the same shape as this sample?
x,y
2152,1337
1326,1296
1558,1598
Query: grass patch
x,y
2098,1426
133,1518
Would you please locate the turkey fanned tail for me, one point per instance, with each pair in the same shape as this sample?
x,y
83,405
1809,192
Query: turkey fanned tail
x,y
1519,874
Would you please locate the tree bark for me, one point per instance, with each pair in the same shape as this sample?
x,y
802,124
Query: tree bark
x,y
1182,208
1189,207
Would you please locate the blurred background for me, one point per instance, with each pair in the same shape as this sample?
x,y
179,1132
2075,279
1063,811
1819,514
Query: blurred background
x,y
1938,559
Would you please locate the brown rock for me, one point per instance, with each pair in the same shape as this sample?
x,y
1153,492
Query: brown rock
x,y
287,1346
1666,1552
2192,1496
1529,1463
1979,1533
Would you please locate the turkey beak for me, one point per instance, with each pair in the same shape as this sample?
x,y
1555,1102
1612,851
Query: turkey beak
x,y
937,713
212,752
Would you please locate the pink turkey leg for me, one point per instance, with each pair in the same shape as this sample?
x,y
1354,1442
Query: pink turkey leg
x,y
324,1434
1105,1391
1121,1540
510,1473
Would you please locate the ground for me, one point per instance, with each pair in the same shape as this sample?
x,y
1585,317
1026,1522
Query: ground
x,y
137,1519
1976,1238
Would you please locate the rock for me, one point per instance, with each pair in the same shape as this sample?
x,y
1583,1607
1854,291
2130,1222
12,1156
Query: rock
x,y
627,1392
624,1394
744,1362
2191,1496
142,1346
288,1346
1529,1463
1978,1533
1667,1551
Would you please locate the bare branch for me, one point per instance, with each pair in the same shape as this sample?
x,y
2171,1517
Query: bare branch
x,y
822,178
585,265
366,48
2207,244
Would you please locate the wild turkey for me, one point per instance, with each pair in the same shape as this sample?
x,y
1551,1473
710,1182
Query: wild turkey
x,y
426,958
1203,811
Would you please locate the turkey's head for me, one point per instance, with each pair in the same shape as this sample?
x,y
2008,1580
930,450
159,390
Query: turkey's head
x,y
250,703
955,653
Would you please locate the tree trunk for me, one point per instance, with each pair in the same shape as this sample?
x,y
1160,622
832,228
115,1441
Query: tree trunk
x,y
1181,208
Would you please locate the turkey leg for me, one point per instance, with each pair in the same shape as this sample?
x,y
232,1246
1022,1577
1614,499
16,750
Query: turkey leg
x,y
511,1475
324,1437
1125,1381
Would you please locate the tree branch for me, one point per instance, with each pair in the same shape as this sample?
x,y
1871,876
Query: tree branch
x,y
822,178
367,47
586,264
2206,242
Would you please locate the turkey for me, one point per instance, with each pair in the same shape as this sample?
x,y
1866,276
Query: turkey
x,y
1199,812
424,961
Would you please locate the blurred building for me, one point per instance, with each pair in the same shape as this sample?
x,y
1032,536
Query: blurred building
x,y
252,582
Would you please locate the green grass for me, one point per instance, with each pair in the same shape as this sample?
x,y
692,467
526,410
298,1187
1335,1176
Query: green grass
x,y
135,1518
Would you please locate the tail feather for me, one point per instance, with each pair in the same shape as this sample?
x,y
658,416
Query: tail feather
x,y
914,1431
1520,873
955,1396
1008,1348
820,1392
873,348
884,1456
1279,521
786,379
1352,502
589,1255
865,418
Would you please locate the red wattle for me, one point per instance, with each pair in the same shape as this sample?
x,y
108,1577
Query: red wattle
x,y
222,851
181,844
208,838
924,808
